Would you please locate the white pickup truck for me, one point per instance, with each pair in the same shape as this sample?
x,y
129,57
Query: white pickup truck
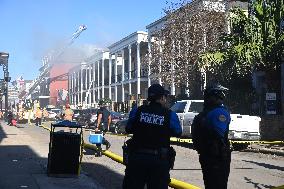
x,y
242,127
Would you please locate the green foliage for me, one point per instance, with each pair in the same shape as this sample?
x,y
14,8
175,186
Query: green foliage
x,y
256,41
105,101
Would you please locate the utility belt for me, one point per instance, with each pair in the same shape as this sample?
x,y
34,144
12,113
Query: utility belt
x,y
168,154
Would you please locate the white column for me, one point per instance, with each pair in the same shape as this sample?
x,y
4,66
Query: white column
x,y
103,78
79,88
115,75
98,62
122,77
129,67
149,61
94,81
82,86
173,88
160,63
138,68
90,85
70,87
76,91
109,77
86,86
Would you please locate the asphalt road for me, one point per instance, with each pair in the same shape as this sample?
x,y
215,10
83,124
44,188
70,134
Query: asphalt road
x,y
248,170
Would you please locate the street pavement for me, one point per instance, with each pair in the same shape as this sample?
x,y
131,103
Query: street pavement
x,y
23,156
248,170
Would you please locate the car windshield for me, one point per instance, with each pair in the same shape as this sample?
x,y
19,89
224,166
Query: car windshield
x,y
196,107
178,107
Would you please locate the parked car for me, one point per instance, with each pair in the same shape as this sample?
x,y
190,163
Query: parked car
x,y
117,121
76,114
53,114
119,127
116,116
87,117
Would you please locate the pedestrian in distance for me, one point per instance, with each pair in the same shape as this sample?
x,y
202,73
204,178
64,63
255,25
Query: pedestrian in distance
x,y
148,155
68,113
45,114
38,116
103,125
210,138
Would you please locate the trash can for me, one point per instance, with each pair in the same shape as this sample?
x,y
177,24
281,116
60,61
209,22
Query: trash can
x,y
65,150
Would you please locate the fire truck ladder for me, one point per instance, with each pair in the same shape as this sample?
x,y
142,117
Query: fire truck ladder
x,y
48,61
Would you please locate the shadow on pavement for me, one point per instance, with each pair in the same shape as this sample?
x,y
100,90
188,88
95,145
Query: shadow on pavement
x,y
269,166
257,185
106,177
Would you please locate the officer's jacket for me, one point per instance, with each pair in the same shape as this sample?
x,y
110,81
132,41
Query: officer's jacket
x,y
210,131
152,126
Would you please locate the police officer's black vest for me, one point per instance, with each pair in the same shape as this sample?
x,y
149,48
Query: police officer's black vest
x,y
206,140
151,129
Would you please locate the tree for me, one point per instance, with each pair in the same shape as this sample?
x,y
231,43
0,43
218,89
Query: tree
x,y
190,28
256,43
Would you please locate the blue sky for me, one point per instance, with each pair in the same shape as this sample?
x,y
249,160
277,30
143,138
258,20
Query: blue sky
x,y
29,28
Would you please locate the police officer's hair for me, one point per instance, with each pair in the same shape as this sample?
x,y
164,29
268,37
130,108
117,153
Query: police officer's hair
x,y
154,98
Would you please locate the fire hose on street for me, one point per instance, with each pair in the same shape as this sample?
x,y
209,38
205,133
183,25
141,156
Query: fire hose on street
x,y
177,184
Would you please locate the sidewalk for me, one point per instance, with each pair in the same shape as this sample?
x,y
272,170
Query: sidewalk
x,y
23,164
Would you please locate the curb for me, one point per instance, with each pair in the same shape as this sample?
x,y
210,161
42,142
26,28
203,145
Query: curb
x,y
265,151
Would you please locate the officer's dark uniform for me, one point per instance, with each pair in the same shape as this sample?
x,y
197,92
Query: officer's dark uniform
x,y
152,126
210,139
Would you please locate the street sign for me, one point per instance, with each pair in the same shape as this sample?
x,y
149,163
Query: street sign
x,y
270,96
271,103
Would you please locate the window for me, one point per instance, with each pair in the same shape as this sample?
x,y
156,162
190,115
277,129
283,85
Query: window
x,y
196,107
179,107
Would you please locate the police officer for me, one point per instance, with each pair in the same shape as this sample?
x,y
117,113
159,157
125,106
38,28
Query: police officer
x,y
210,138
149,150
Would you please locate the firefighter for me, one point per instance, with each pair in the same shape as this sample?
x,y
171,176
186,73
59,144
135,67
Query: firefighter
x,y
148,155
45,114
38,116
210,138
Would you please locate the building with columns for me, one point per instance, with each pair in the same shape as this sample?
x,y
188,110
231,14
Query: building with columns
x,y
89,82
128,74
121,72
117,74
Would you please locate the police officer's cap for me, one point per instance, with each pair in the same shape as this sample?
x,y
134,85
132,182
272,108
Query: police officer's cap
x,y
157,90
215,90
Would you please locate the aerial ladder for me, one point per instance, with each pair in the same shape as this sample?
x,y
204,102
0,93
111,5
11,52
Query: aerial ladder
x,y
48,62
